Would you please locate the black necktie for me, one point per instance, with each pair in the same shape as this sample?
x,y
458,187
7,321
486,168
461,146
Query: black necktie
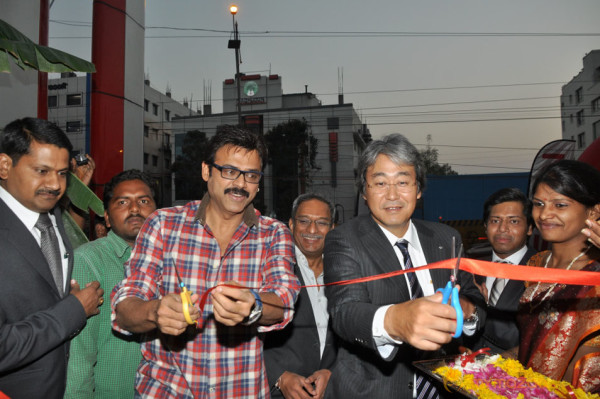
x,y
425,390
51,249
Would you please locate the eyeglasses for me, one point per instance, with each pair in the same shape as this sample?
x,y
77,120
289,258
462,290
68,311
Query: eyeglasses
x,y
231,173
381,187
306,222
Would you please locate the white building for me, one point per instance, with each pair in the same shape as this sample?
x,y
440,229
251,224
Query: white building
x,y
580,104
69,107
264,106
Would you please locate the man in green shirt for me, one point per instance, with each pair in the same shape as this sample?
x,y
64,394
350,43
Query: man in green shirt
x,y
103,363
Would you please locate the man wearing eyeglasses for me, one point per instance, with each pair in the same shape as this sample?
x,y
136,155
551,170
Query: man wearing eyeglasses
x,y
384,325
298,357
221,242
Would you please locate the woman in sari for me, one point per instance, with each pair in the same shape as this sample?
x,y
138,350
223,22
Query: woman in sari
x,y
560,324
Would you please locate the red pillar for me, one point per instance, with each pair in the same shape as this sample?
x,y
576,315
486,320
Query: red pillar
x,y
42,100
108,87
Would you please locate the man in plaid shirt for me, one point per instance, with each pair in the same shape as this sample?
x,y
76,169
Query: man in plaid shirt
x,y
221,239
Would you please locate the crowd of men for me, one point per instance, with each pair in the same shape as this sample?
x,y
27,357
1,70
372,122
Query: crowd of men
x,y
109,320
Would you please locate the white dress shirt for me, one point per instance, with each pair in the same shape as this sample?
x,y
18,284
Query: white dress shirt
x,y
317,297
514,259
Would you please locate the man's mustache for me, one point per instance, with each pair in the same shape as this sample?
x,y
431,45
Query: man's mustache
x,y
56,193
136,216
237,191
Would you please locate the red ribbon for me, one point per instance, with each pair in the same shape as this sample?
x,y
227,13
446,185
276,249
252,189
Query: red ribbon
x,y
481,267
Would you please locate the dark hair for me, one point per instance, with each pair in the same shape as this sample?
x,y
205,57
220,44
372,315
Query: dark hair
x,y
15,140
507,195
574,179
126,175
237,137
310,196
399,150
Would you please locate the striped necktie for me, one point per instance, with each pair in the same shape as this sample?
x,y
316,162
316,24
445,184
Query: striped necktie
x,y
51,249
497,287
425,390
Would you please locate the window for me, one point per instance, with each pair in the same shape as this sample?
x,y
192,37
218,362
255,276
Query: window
x,y
146,131
145,158
74,99
154,160
596,131
596,104
155,134
155,109
333,123
52,101
74,127
570,99
167,140
146,105
167,115
563,125
581,140
580,118
571,118
579,95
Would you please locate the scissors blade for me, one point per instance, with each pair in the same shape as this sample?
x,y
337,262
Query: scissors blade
x,y
457,266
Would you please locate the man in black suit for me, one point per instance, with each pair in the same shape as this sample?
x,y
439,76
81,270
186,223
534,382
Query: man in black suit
x,y
384,325
298,357
508,224
40,308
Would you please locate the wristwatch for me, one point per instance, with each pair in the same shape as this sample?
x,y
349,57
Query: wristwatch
x,y
474,318
256,311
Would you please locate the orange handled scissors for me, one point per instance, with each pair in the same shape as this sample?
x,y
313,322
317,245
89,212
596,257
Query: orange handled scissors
x,y
186,298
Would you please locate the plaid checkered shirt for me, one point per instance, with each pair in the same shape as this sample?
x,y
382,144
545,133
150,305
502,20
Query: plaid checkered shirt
x,y
214,360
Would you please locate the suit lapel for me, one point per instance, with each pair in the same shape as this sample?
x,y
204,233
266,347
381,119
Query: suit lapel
x,y
434,251
68,247
13,232
381,253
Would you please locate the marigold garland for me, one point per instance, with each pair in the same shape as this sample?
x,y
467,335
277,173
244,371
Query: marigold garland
x,y
507,378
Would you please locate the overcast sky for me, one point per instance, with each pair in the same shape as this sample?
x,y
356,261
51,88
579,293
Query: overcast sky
x,y
483,78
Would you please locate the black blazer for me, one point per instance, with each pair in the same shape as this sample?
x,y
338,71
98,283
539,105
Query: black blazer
x,y
500,332
296,347
359,248
35,322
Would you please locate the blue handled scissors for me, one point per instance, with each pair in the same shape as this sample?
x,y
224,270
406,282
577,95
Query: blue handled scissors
x,y
451,291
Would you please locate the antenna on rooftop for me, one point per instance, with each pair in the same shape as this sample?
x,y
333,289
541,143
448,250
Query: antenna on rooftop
x,y
340,85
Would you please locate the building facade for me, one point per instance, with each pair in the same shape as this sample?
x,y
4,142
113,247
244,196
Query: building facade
x,y
69,103
580,104
336,132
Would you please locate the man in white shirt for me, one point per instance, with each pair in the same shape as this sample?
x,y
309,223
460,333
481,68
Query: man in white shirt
x,y
508,224
298,357
40,307
384,325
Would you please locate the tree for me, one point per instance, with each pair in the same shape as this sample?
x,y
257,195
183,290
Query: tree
x,y
430,160
28,55
292,152
187,167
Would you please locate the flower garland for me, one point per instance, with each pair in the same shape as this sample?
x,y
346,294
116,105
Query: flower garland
x,y
495,377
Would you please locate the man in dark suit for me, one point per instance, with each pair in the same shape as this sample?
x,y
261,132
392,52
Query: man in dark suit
x,y
298,357
40,308
384,325
508,224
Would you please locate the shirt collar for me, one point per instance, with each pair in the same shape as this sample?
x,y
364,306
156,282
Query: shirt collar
x,y
119,245
302,262
249,218
411,235
25,215
515,258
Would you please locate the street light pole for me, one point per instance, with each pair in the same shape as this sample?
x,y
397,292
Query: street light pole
x,y
235,44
